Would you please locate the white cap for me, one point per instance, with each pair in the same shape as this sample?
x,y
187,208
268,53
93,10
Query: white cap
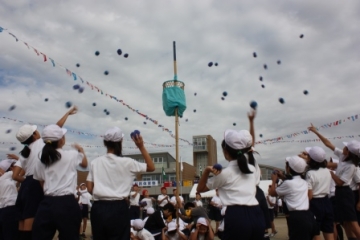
x,y
202,221
297,164
171,226
353,146
316,153
238,139
53,133
150,210
25,132
5,164
113,135
138,224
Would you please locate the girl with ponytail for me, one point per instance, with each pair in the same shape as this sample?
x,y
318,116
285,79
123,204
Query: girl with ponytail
x,y
236,185
57,173
30,193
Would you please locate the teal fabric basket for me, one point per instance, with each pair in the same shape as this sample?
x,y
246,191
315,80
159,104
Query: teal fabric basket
x,y
173,97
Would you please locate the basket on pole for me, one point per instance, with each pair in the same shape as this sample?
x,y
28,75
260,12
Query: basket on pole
x,y
174,104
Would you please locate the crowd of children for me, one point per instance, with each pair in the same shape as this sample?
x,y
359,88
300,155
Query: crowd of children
x,y
39,195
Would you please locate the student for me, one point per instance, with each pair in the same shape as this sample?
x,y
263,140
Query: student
x,y
215,209
338,232
271,201
301,222
260,195
156,222
84,202
198,201
109,180
345,171
163,198
236,185
30,193
134,202
56,171
203,231
9,214
142,233
172,232
318,179
147,201
173,198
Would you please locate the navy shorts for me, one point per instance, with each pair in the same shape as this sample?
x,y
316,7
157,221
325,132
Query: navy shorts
x,y
260,196
60,213
134,212
9,222
243,222
302,225
110,220
215,214
333,205
323,212
271,214
345,203
29,197
356,198
84,211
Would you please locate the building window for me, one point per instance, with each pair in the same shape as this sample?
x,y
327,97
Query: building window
x,y
158,160
199,143
146,178
172,177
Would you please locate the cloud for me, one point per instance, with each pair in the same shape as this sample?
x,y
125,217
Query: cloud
x,y
324,62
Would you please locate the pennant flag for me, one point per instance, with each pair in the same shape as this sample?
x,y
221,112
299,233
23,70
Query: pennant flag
x,y
1,29
44,57
163,173
74,75
53,62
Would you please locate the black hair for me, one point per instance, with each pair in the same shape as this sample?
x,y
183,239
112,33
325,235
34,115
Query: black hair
x,y
353,158
49,153
189,205
313,165
239,155
25,152
169,207
116,146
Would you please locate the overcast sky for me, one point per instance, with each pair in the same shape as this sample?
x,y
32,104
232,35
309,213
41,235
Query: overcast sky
x,y
325,62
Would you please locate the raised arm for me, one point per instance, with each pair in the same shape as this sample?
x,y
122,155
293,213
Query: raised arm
x,y
84,161
325,141
251,116
62,120
138,140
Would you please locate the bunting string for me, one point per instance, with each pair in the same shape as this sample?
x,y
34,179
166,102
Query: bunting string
x,y
91,134
304,132
75,77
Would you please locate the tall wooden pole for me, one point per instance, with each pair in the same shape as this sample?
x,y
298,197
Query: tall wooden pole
x,y
176,134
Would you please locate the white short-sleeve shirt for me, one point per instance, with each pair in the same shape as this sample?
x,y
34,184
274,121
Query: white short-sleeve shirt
x,y
113,176
8,191
235,187
173,199
279,202
145,235
198,203
345,170
272,200
161,197
28,164
217,201
295,193
149,202
354,184
134,201
319,182
60,178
